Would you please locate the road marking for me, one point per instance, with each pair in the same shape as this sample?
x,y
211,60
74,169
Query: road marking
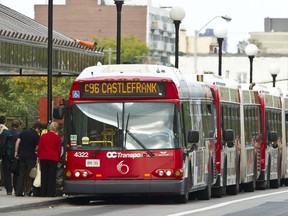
x,y
225,204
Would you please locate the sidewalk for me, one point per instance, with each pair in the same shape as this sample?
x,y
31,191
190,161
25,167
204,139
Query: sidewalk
x,y
10,203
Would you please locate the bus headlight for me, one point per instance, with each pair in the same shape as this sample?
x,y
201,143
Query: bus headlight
x,y
160,172
168,173
77,174
85,174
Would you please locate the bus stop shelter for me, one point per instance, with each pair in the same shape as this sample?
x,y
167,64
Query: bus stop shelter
x,y
24,43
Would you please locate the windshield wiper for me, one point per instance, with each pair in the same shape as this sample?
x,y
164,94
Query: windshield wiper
x,y
117,131
97,150
136,139
140,143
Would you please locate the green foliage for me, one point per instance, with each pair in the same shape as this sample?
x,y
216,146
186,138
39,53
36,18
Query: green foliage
x,y
132,49
20,95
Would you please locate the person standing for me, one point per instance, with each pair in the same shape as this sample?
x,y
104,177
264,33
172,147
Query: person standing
x,y
6,154
49,150
14,131
25,151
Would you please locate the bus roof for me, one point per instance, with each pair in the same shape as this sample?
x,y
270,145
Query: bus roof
x,y
268,90
132,70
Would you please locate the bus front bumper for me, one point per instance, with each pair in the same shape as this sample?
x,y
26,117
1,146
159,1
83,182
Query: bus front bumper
x,y
72,187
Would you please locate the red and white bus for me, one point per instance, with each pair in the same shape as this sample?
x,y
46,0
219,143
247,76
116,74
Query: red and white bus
x,y
135,129
271,140
238,159
251,138
228,134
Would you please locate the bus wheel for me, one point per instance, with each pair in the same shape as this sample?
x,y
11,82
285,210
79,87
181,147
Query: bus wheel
x,y
275,183
206,193
183,198
250,186
233,189
285,182
268,175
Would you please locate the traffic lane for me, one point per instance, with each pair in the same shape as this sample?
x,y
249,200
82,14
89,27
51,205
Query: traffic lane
x,y
269,208
159,206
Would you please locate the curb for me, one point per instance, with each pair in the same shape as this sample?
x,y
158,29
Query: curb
x,y
32,205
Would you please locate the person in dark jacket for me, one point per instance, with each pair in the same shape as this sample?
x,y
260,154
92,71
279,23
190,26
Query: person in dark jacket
x,y
5,155
14,131
49,150
25,151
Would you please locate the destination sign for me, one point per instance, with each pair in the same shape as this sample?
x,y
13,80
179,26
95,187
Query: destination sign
x,y
126,89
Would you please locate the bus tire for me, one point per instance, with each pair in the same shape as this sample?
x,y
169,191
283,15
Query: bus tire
x,y
206,193
183,198
234,189
250,186
267,182
275,183
225,173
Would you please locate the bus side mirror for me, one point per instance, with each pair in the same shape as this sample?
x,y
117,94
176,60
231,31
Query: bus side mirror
x,y
228,137
58,112
193,137
272,138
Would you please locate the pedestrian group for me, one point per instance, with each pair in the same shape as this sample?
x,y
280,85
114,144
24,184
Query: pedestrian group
x,y
21,152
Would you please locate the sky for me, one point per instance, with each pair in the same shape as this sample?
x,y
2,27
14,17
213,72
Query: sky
x,y
247,15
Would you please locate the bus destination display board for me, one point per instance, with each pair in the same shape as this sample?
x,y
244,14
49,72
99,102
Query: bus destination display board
x,y
123,88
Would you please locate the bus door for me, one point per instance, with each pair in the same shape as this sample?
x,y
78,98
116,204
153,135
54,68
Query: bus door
x,y
202,119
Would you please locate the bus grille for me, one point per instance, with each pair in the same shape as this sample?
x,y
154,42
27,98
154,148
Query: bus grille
x,y
123,177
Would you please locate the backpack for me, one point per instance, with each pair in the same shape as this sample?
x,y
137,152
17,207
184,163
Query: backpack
x,y
3,138
6,144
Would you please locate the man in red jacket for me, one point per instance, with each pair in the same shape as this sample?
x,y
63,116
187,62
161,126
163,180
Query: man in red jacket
x,y
49,150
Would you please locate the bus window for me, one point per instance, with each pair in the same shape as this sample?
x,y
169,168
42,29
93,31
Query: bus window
x,y
153,125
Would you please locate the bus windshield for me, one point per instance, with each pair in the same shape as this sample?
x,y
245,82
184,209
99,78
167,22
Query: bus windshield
x,y
123,126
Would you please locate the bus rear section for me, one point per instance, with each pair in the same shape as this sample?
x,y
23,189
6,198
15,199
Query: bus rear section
x,y
271,143
251,135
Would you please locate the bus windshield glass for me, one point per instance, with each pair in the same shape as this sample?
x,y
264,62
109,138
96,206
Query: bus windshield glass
x,y
123,126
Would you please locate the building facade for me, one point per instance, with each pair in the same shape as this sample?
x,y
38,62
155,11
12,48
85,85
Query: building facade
x,y
85,19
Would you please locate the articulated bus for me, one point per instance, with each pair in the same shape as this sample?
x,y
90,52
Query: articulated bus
x,y
139,129
228,134
271,144
251,137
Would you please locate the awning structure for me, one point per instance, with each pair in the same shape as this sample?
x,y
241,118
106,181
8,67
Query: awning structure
x,y
24,44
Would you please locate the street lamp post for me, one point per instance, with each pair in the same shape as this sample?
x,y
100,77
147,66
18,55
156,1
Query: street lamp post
x,y
251,50
49,67
220,32
197,32
177,14
274,71
119,4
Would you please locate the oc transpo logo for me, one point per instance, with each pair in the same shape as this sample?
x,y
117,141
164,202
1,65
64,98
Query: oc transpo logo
x,y
111,154
123,155
122,168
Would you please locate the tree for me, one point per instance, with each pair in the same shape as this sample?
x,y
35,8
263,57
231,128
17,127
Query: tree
x,y
20,95
132,49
